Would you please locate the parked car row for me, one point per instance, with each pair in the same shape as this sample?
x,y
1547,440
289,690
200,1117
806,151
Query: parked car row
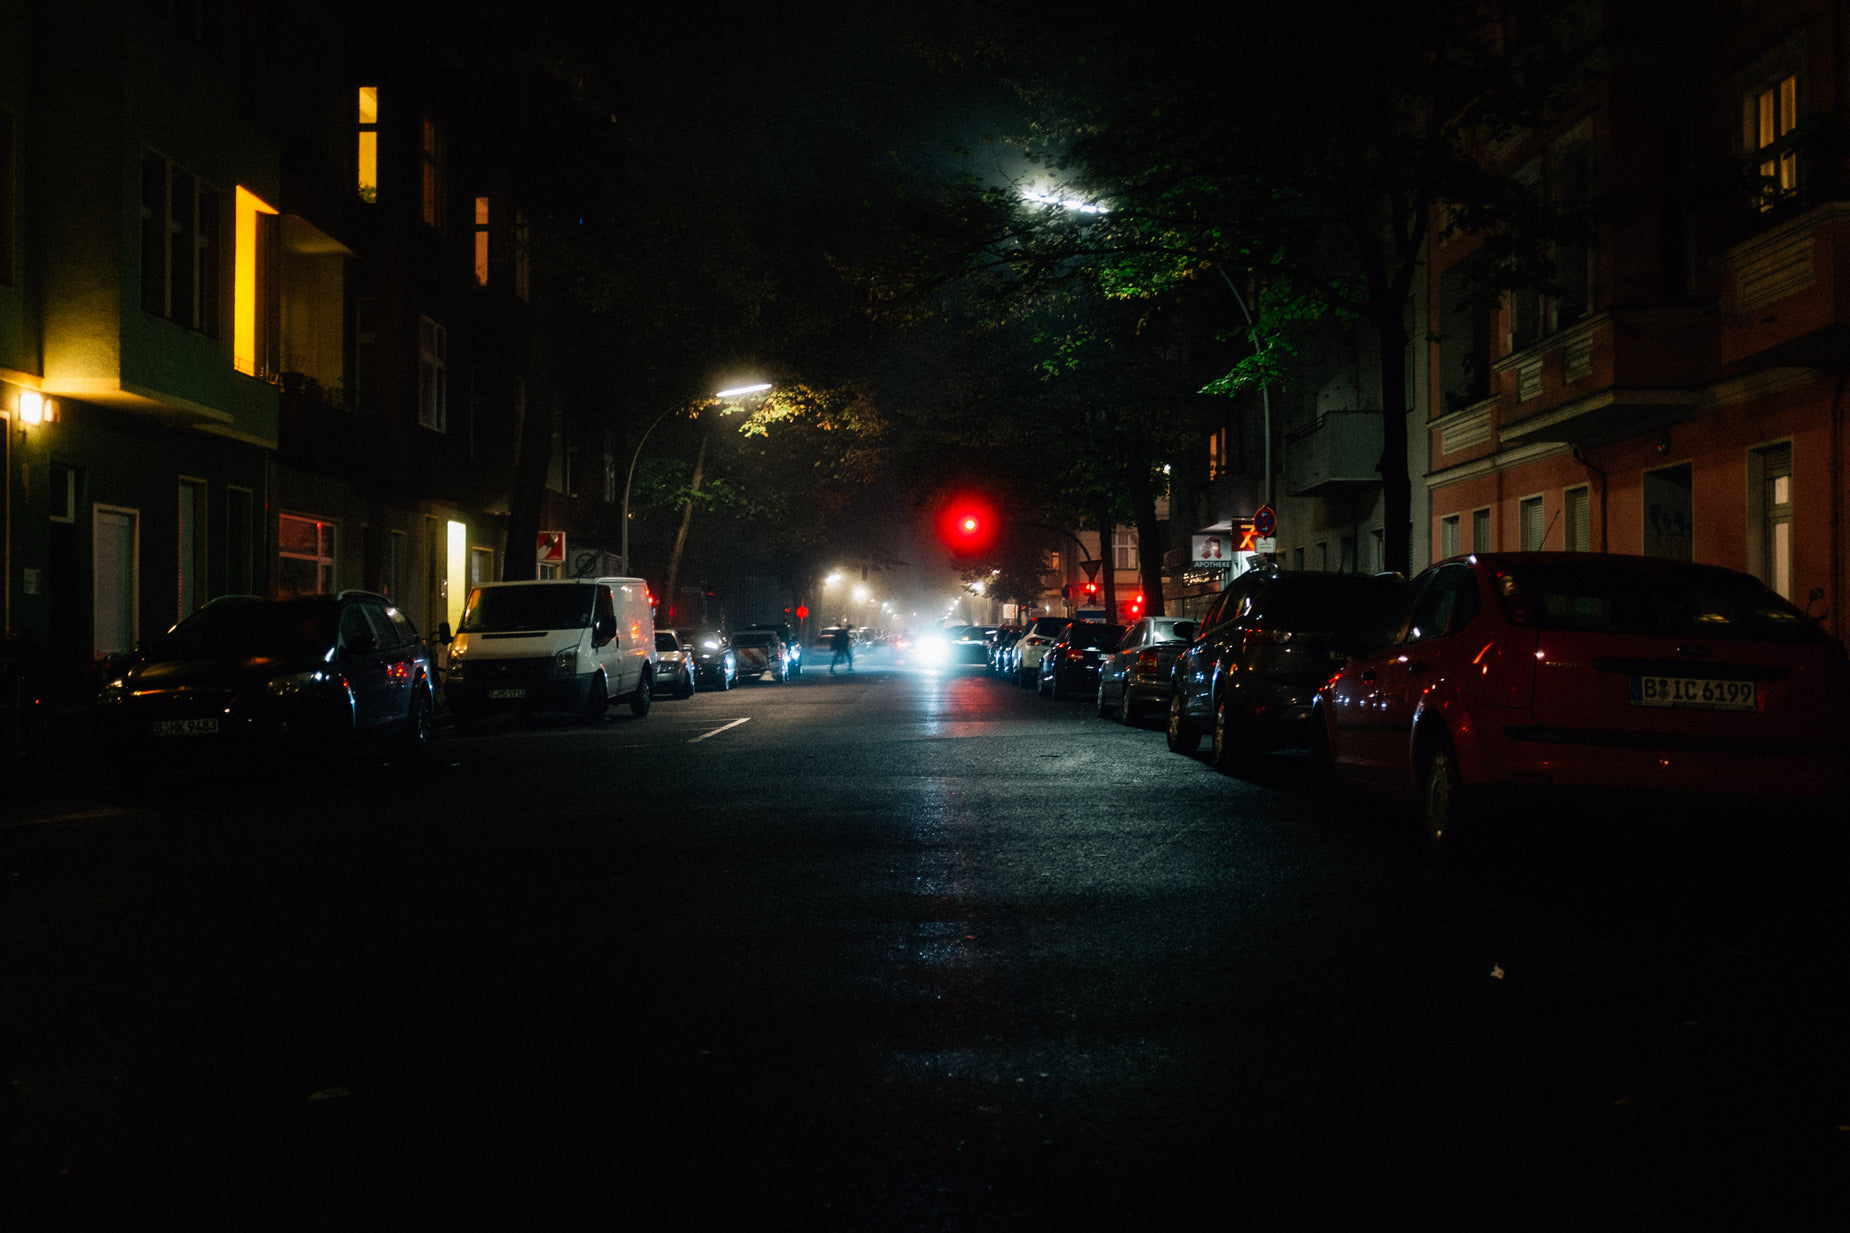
x,y
327,674
1497,680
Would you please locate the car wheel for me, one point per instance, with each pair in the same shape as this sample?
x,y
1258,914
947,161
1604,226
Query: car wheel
x,y
645,694
1129,713
1056,688
416,741
1182,738
1229,747
1447,817
597,701
1321,765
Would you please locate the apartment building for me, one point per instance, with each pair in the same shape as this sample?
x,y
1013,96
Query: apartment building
x,y
267,324
1679,391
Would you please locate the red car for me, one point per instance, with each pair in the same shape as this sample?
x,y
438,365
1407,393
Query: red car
x,y
1532,671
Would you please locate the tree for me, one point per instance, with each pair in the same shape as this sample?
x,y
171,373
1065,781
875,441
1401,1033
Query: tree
x,y
1301,153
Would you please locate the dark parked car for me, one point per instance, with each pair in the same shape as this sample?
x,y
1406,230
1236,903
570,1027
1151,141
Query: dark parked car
x,y
1070,665
1135,676
714,660
759,652
999,643
793,645
1595,676
1261,653
243,676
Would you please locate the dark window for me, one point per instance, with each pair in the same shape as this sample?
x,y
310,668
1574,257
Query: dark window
x,y
1631,597
1447,605
179,245
1386,629
543,606
9,164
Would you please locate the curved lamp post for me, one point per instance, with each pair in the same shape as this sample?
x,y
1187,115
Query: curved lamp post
x,y
736,392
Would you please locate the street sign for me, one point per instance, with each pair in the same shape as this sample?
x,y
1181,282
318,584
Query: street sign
x,y
1265,522
552,547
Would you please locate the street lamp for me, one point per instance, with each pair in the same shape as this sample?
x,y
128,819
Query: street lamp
x,y
630,480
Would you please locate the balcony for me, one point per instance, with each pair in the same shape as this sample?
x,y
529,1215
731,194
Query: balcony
x,y
1336,455
1786,292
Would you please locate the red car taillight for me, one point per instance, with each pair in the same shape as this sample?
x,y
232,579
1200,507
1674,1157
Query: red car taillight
x,y
1147,661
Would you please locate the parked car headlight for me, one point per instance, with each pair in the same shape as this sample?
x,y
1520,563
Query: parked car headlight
x,y
565,663
295,683
112,694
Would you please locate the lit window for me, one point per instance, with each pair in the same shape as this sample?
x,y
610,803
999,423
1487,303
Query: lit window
x,y
305,552
1772,117
1770,477
369,144
481,240
254,312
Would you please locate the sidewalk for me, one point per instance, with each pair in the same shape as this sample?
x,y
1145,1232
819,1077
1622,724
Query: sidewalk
x,y
62,761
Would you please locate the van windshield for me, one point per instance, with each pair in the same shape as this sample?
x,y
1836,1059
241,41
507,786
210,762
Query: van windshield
x,y
501,610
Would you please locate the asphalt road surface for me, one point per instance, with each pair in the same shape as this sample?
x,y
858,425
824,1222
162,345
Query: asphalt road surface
x,y
894,950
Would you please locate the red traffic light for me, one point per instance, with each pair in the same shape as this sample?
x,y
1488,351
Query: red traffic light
x,y
966,526
802,612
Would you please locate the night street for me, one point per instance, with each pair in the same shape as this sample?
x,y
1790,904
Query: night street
x,y
894,950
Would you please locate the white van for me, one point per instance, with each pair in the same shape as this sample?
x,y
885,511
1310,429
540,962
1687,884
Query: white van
x,y
561,644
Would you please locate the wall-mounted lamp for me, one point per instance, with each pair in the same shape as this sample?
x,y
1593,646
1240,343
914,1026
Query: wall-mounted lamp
x,y
35,408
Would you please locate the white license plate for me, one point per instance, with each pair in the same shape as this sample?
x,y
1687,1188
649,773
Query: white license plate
x,y
494,694
186,727
1700,693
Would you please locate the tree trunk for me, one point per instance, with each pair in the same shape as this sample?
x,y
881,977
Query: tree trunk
x,y
1396,483
527,503
1108,587
1149,552
687,513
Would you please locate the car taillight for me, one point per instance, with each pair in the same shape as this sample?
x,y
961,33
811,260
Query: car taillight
x,y
1509,595
1147,661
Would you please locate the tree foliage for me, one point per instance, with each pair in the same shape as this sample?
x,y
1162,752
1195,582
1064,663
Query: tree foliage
x,y
1272,173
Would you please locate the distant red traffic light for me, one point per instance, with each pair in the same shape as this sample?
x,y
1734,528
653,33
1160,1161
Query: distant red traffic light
x,y
967,526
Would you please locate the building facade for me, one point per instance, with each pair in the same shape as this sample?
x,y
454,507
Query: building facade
x,y
269,324
1680,390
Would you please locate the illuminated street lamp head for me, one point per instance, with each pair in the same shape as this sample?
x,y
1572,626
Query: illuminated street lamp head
x,y
742,390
